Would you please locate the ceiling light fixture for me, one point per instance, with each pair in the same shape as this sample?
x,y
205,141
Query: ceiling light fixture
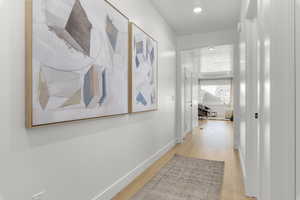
x,y
197,10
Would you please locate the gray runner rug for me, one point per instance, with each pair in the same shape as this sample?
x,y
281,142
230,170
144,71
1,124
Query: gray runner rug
x,y
185,178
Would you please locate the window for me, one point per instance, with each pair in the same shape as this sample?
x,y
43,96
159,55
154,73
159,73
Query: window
x,y
216,92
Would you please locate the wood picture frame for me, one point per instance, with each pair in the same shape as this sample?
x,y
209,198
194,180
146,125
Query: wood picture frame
x,y
113,37
133,104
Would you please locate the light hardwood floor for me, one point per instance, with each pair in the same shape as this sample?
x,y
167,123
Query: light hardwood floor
x,y
213,142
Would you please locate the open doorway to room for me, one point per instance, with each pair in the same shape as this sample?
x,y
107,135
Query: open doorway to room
x,y
208,94
215,83
208,85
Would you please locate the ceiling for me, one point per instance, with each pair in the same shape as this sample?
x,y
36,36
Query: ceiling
x,y
216,15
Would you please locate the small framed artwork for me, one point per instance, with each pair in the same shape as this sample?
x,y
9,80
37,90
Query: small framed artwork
x,y
143,88
77,61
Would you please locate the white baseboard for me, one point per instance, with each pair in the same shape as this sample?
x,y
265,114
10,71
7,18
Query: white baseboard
x,y
122,182
243,166
248,188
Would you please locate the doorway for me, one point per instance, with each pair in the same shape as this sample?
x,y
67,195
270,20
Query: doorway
x,y
206,85
188,99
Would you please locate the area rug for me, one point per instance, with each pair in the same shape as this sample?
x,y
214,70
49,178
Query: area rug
x,y
185,178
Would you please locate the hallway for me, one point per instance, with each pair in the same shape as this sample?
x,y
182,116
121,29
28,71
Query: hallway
x,y
98,96
213,142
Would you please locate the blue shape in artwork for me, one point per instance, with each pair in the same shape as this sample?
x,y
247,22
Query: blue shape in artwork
x,y
152,99
137,62
87,91
104,88
147,48
141,99
152,56
139,47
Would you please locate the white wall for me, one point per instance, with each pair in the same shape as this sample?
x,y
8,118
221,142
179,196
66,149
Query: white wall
x,y
278,39
190,42
195,101
277,98
78,160
249,104
297,54
188,64
242,92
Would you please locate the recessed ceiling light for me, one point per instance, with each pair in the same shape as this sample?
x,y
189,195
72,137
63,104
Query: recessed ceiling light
x,y
211,48
197,10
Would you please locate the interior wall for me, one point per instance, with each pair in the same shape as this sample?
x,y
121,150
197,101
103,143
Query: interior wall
x,y
297,54
186,63
195,101
80,160
280,86
242,92
249,104
190,42
277,98
278,38
245,55
188,66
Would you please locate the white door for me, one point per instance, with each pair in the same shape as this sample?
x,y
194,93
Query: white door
x,y
188,104
252,137
264,115
195,101
297,55
249,108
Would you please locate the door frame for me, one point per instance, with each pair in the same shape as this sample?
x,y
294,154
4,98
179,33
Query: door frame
x,y
252,104
180,73
297,91
188,74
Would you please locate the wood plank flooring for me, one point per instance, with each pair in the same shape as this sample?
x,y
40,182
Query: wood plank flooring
x,y
212,140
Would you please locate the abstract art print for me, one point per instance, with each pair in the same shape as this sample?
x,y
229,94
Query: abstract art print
x,y
77,61
144,68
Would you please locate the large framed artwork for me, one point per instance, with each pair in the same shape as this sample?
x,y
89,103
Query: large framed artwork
x,y
77,61
144,71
